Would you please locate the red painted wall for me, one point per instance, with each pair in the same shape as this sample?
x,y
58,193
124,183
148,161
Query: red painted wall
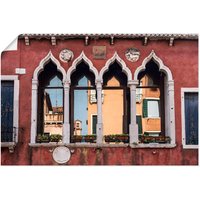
x,y
181,59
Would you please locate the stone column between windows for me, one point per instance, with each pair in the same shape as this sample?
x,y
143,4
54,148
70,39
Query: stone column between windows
x,y
99,112
66,124
171,111
34,111
133,127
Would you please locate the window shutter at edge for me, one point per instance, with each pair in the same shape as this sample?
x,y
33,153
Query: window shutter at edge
x,y
145,110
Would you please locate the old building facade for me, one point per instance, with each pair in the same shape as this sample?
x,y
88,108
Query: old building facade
x,y
100,99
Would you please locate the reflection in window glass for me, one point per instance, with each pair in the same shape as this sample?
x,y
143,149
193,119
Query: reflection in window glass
x,y
84,82
191,118
7,94
113,82
84,109
55,82
53,111
112,111
148,109
153,108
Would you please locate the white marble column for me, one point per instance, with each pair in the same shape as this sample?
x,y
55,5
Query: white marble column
x,y
99,112
171,125
66,124
133,127
34,110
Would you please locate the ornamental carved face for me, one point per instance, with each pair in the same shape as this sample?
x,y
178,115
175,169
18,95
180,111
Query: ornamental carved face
x,y
132,54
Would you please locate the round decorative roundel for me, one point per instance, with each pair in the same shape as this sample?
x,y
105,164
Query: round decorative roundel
x,y
61,155
66,55
132,54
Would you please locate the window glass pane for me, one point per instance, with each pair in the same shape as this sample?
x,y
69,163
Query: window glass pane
x,y
84,109
112,110
113,82
53,111
84,82
149,110
191,118
153,108
7,96
55,82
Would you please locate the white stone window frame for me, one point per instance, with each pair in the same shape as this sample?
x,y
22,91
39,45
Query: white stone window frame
x,y
183,91
49,57
132,84
169,95
81,58
133,127
15,79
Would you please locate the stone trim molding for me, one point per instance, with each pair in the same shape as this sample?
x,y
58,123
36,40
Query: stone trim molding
x,y
36,73
15,107
159,62
132,83
123,65
84,58
183,91
81,145
151,36
44,61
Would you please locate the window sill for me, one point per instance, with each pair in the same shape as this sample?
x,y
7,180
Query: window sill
x,y
190,146
153,145
54,144
9,145
90,145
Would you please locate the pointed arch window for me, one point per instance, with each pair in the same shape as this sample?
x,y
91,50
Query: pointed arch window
x,y
150,111
50,104
83,104
115,107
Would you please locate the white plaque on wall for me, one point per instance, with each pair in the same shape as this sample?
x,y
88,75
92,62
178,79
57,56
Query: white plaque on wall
x,y
61,155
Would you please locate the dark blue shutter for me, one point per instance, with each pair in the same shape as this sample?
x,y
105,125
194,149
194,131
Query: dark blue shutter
x,y
7,96
191,118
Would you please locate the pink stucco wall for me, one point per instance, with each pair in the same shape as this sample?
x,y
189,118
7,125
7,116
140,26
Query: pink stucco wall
x,y
181,59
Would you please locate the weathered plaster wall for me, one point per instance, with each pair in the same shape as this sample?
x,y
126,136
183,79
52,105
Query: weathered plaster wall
x,y
182,60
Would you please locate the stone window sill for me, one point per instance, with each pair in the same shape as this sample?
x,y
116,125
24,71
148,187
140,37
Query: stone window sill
x,y
54,144
153,145
9,145
92,145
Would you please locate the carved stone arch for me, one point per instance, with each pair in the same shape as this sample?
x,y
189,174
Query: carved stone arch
x,y
75,63
44,61
168,93
158,61
49,57
122,64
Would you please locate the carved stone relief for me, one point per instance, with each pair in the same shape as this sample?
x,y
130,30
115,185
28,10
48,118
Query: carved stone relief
x,y
66,55
132,54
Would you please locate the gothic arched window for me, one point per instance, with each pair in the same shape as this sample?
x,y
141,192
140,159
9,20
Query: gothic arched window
x,y
115,106
150,109
83,113
50,103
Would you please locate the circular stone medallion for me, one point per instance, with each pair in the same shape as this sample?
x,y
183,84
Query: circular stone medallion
x,y
66,55
132,54
61,155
